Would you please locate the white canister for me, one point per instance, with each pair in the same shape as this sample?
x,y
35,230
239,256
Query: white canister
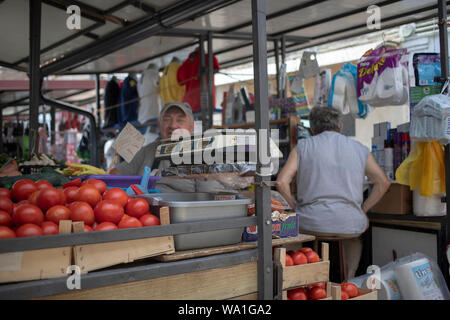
x,y
428,206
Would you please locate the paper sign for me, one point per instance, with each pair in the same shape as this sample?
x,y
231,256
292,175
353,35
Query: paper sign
x,y
128,142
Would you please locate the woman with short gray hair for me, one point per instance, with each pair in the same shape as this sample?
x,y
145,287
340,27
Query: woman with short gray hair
x,y
330,170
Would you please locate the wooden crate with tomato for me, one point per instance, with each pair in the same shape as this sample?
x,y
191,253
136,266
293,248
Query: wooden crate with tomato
x,y
349,291
303,267
315,291
37,264
101,255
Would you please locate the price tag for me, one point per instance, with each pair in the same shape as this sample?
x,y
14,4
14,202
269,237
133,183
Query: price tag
x,y
128,142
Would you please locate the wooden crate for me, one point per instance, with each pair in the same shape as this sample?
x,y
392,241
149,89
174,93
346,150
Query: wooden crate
x,y
101,255
328,288
366,294
37,264
304,274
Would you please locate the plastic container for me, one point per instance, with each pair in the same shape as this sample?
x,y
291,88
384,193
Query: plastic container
x,y
189,207
428,206
119,181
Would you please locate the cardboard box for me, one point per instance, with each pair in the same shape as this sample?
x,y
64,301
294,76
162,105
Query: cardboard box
x,y
397,200
384,130
376,130
280,229
378,142
404,127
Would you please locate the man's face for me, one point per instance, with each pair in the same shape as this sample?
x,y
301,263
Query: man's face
x,y
174,119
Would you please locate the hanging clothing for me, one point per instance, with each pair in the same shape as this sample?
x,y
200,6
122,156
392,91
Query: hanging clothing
x,y
170,90
189,75
150,105
129,101
111,98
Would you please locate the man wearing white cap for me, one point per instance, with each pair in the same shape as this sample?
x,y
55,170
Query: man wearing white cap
x,y
175,118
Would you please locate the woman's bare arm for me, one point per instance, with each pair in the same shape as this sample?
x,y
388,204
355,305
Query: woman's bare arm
x,y
380,183
285,178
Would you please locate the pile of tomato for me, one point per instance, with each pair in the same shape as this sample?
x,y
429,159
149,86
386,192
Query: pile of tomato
x,y
35,208
303,256
318,291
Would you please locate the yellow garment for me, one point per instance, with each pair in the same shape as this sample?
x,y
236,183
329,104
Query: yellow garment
x,y
424,169
169,88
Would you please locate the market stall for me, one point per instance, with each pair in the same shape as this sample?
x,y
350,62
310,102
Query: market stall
x,y
125,263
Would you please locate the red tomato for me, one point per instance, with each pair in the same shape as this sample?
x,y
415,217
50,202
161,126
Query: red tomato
x,y
290,252
70,193
32,199
28,213
130,222
5,193
94,225
62,196
6,204
5,218
87,228
350,289
42,184
104,226
289,261
108,211
48,198
29,230
318,284
49,227
116,194
22,189
312,257
305,250
6,233
74,183
98,184
89,194
137,207
299,258
317,293
297,294
125,216
21,202
56,213
149,220
344,295
82,211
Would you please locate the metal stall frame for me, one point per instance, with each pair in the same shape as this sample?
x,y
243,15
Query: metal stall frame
x,y
264,252
133,33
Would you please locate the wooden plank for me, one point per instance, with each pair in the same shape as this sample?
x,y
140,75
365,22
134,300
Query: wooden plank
x,y
367,294
78,226
410,223
251,296
336,292
101,255
189,254
209,284
304,274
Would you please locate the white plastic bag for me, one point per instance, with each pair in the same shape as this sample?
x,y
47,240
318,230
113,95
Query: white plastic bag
x,y
322,88
308,65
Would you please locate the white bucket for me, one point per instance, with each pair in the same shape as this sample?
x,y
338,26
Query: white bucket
x,y
428,206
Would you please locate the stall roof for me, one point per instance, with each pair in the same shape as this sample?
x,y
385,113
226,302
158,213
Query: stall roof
x,y
101,46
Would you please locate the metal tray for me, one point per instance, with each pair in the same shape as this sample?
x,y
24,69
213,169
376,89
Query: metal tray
x,y
189,207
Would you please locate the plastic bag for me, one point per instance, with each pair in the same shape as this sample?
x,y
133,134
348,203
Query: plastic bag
x,y
423,169
298,94
322,88
343,95
308,65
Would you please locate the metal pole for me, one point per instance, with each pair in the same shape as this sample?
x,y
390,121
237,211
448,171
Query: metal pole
x,y
283,61
277,66
35,72
97,98
210,81
52,125
203,92
443,41
262,191
1,130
